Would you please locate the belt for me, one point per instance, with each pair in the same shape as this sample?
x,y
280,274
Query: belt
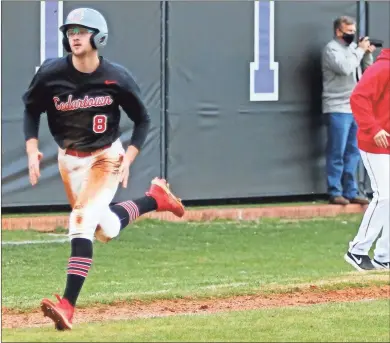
x,y
78,153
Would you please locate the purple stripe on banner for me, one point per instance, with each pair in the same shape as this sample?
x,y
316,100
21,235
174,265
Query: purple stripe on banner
x,y
51,29
264,77
264,14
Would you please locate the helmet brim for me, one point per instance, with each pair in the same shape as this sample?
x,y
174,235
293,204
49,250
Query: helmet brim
x,y
64,27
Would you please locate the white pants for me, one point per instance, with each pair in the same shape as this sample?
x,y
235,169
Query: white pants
x,y
90,184
377,215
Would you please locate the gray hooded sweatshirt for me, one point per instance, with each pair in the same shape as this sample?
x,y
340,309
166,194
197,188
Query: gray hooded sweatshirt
x,y
341,70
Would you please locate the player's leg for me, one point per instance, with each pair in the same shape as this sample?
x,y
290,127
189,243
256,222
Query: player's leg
x,y
73,171
97,191
381,258
382,250
375,216
117,217
158,198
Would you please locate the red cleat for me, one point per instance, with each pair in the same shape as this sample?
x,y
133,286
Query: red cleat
x,y
61,313
166,200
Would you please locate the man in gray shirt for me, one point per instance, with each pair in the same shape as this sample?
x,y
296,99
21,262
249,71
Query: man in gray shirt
x,y
342,62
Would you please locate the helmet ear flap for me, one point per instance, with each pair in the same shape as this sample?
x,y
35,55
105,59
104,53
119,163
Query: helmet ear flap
x,y
65,43
92,40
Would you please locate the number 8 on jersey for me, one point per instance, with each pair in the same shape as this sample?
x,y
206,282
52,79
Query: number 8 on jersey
x,y
99,123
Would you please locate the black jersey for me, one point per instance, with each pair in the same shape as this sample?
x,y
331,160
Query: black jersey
x,y
83,109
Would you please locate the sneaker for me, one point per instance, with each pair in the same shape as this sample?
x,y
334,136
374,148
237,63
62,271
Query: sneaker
x,y
359,262
61,313
166,200
380,265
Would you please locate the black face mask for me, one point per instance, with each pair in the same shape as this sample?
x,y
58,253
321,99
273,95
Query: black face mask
x,y
348,37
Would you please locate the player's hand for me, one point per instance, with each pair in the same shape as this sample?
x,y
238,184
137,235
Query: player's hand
x,y
381,139
124,171
34,159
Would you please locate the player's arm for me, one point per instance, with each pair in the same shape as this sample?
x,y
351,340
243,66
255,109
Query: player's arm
x,y
34,106
367,91
132,104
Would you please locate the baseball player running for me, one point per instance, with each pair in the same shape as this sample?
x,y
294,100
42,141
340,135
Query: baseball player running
x,y
81,94
370,102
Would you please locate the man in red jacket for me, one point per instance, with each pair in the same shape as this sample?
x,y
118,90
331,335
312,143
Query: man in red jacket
x,y
370,102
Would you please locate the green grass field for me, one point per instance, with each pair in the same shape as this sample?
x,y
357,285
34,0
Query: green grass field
x,y
26,235
161,260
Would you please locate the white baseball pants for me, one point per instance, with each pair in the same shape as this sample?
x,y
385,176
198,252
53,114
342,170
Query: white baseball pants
x,y
90,184
377,215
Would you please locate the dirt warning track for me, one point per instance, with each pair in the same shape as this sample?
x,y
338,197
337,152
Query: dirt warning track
x,y
189,306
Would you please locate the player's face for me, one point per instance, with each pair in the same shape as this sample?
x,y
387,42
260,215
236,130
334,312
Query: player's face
x,y
79,40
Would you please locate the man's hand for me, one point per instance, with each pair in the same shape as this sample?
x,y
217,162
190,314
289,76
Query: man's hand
x,y
364,44
34,159
124,171
371,49
381,139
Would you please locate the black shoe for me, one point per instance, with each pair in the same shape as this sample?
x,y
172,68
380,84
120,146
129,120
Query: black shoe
x,y
359,262
380,265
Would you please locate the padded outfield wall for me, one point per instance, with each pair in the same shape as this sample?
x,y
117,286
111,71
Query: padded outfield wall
x,y
233,89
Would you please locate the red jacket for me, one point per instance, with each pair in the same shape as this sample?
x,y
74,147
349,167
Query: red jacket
x,y
370,103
